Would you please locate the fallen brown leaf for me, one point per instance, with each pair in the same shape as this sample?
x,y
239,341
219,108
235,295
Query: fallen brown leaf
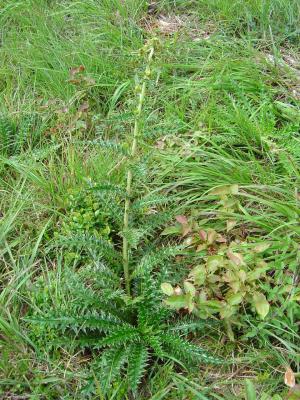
x,y
289,378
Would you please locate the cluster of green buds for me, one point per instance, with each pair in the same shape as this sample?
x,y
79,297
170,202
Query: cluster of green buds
x,y
147,52
153,43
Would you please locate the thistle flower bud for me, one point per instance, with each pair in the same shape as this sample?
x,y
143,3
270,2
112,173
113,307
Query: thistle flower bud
x,y
148,72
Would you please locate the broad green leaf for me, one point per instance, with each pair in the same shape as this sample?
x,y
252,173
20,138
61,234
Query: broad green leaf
x,y
177,302
209,307
227,311
224,190
261,247
235,285
211,236
229,204
230,224
261,304
214,262
213,278
242,275
167,288
172,230
189,288
214,304
202,296
256,274
228,328
190,302
234,299
198,274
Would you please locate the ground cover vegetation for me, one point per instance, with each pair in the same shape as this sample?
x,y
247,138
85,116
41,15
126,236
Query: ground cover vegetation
x,y
149,208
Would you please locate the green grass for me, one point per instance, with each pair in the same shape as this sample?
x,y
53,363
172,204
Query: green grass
x,y
221,108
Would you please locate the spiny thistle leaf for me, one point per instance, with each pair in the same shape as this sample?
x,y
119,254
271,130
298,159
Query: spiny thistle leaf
x,y
156,257
102,322
119,336
112,361
7,133
137,362
155,343
183,349
189,325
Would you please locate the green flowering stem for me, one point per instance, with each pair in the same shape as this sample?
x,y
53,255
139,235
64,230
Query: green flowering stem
x,y
149,48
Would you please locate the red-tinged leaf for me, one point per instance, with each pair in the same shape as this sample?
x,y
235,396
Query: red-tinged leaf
x,y
289,378
76,70
182,219
203,235
236,258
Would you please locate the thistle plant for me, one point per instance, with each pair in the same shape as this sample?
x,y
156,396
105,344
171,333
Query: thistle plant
x,y
127,328
141,91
